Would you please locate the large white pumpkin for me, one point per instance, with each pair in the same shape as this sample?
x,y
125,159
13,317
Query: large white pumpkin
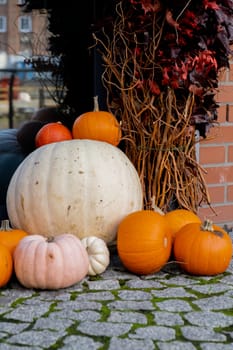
x,y
84,187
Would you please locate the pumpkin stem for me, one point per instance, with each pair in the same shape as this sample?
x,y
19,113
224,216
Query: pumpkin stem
x,y
5,226
96,104
208,226
155,207
50,239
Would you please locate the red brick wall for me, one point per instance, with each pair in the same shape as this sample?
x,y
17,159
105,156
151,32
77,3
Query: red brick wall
x,y
216,157
11,41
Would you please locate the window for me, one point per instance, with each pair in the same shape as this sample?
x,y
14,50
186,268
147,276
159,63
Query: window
x,y
2,24
2,2
25,24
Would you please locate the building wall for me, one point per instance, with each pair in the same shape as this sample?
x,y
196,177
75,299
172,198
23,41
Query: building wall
x,y
216,157
3,35
15,42
13,35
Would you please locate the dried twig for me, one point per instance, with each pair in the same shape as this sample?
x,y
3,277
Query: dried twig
x,y
159,136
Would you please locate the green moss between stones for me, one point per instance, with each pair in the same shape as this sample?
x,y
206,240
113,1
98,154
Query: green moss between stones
x,y
19,301
52,308
105,312
72,330
74,295
95,278
227,312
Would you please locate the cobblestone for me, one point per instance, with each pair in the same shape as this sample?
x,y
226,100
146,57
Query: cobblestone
x,y
169,310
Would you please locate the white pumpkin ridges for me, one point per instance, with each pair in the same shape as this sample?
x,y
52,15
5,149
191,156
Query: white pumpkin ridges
x,y
98,253
98,264
84,187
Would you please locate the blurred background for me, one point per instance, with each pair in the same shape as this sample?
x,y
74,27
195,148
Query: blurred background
x,y
23,43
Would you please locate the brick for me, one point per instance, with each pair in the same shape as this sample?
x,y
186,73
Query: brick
x,y
212,154
230,154
230,194
219,174
230,112
221,114
225,113
217,194
222,214
211,136
219,134
223,75
224,95
231,73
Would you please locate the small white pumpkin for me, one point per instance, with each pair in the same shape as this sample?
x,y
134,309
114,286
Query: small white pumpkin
x,y
98,253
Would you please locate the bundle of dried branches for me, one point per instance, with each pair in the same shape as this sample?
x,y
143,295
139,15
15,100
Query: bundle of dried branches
x,y
161,76
161,144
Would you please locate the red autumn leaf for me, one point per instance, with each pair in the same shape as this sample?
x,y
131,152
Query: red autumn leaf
x,y
210,5
166,78
154,88
147,6
137,51
196,90
170,20
174,83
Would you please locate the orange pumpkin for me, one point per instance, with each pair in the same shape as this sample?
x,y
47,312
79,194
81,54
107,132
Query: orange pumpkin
x,y
144,242
52,132
178,218
97,125
10,237
203,249
6,265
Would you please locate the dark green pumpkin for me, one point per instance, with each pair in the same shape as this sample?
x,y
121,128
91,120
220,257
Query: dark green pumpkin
x,y
15,145
11,155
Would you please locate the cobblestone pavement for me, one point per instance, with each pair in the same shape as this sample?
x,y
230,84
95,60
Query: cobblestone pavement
x,y
169,310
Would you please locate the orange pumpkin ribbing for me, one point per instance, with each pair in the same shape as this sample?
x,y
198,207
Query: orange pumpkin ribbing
x,y
52,132
144,242
6,265
203,250
178,218
10,237
97,125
